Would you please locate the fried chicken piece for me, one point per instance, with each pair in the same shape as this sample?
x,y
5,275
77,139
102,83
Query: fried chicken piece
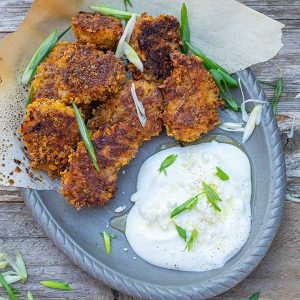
x,y
115,144
78,73
121,108
154,39
50,133
191,99
103,31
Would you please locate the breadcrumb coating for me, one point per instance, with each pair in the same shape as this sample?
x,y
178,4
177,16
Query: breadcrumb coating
x,y
117,136
191,99
102,31
154,39
50,133
78,73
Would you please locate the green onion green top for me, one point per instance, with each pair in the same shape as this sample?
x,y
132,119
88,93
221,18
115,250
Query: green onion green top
x,y
167,163
221,174
57,285
254,296
107,11
85,136
107,241
126,3
30,296
10,293
277,94
181,232
192,240
44,49
211,195
187,205
230,101
184,29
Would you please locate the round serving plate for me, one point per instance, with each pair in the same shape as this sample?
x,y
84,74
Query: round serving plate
x,y
76,233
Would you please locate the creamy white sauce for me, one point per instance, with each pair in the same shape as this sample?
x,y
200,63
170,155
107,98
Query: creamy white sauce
x,y
152,234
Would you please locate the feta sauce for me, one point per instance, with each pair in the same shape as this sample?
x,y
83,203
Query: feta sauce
x,y
150,230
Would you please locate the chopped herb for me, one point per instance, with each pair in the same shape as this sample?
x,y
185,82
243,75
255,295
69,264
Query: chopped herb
x,y
10,293
44,49
192,240
229,99
119,14
181,232
277,95
112,236
187,205
184,29
30,296
126,3
132,56
211,65
254,296
107,241
267,83
57,285
167,163
211,196
221,174
85,136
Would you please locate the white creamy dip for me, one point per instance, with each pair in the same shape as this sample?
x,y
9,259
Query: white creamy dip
x,y
152,233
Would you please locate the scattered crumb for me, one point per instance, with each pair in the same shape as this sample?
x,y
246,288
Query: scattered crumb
x,y
107,226
125,249
123,172
134,258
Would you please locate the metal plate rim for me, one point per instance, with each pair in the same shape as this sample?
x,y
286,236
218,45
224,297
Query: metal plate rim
x,y
143,290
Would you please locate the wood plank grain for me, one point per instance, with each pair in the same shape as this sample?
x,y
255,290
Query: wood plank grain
x,y
277,277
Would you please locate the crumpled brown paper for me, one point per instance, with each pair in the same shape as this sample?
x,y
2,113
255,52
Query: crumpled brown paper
x,y
230,33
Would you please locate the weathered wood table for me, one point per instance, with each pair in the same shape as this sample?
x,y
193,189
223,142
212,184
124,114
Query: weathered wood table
x,y
277,277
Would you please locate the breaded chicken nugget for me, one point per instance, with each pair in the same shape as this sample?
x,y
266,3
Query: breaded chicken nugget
x,y
121,108
154,39
103,31
117,136
82,185
78,73
191,99
50,133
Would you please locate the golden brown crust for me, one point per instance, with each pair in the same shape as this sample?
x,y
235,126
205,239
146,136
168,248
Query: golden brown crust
x,y
191,99
50,133
78,73
94,28
154,39
117,135
121,108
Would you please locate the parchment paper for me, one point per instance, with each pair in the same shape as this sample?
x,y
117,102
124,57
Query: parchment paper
x,y
230,33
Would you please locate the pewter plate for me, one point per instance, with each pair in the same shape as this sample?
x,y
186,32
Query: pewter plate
x,y
76,233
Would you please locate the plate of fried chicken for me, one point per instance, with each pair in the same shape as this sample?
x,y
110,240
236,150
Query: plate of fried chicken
x,y
130,113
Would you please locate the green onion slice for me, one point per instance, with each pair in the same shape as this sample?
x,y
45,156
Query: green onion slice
x,y
221,174
277,95
107,11
107,241
230,101
85,136
30,296
184,29
10,293
132,56
167,163
187,205
211,195
44,49
57,285
192,240
181,232
211,65
255,296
